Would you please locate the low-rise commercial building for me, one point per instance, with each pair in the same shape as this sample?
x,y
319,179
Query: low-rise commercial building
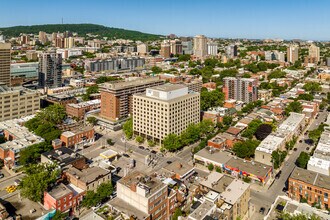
x,y
77,136
78,110
89,178
63,198
163,110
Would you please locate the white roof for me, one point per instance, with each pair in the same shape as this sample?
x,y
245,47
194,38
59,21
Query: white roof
x,y
320,163
234,191
270,143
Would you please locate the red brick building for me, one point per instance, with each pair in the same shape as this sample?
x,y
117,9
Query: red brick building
x,y
63,198
78,110
311,187
78,135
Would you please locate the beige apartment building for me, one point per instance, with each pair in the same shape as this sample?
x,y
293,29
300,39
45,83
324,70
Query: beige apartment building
x,y
292,53
5,63
314,52
200,46
17,102
140,196
163,110
116,96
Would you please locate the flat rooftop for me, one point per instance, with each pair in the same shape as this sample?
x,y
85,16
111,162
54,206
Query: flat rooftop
x,y
179,167
88,175
292,122
136,177
311,177
59,191
77,130
168,87
214,155
63,155
256,168
234,191
270,143
202,210
22,136
217,182
85,104
118,85
127,209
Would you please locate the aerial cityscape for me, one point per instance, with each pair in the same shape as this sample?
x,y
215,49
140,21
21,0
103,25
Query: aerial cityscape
x,y
142,110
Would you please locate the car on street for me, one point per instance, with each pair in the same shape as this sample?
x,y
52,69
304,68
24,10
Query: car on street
x,y
160,155
153,152
300,141
168,162
126,155
141,147
1,175
307,148
295,149
278,175
262,210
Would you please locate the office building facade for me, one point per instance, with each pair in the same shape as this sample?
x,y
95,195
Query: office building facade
x,y
165,49
176,47
50,70
163,110
212,48
231,51
5,63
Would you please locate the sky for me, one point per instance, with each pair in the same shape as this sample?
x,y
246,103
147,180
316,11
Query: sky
x,y
285,19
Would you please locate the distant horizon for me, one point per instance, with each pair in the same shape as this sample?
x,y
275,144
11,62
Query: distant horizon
x,y
237,19
191,36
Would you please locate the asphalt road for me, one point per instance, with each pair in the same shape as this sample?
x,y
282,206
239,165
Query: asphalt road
x,y
265,199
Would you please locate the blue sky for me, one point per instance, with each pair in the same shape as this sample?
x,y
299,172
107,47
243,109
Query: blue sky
x,y
288,19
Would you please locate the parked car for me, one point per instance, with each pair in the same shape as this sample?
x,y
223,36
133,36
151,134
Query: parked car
x,y
153,152
126,155
168,162
278,175
141,147
1,175
262,210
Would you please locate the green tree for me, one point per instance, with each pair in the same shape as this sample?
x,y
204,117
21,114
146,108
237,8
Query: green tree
x,y
151,143
37,179
245,149
156,69
205,127
103,192
293,107
278,158
276,74
176,214
31,154
246,75
58,215
92,120
312,87
128,128
103,79
172,142
263,131
191,134
211,99
302,160
139,139
54,114
306,96
210,167
252,128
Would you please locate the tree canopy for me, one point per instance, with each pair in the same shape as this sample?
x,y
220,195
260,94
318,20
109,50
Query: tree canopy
x,y
312,87
31,154
103,191
128,128
293,107
245,149
37,179
172,142
211,99
263,131
302,160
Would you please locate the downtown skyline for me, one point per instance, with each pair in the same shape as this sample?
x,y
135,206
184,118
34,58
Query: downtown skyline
x,y
237,19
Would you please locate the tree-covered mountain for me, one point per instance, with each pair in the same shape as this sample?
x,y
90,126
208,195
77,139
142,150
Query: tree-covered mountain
x,y
81,29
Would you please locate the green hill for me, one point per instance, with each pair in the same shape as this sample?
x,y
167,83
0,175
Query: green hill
x,y
81,29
